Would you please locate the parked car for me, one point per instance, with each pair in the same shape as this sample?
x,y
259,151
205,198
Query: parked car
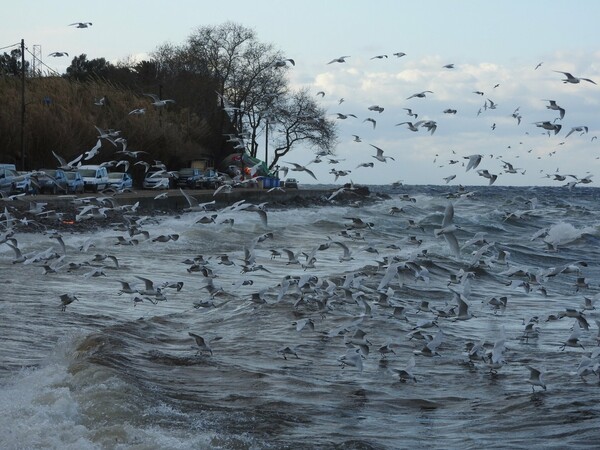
x,y
189,177
207,180
11,182
23,184
95,178
50,181
223,178
291,183
120,180
158,179
75,183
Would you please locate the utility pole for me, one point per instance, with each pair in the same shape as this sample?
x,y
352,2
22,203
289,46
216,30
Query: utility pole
x,y
267,144
160,109
22,104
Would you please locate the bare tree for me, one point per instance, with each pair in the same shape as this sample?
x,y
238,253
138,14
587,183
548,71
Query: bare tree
x,y
254,89
298,121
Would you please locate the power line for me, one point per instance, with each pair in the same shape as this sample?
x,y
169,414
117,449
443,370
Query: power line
x,y
42,62
9,46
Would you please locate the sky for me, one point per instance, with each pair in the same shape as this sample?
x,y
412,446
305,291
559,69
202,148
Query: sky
x,y
495,47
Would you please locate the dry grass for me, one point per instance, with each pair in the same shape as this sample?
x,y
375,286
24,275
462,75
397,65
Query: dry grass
x,y
61,116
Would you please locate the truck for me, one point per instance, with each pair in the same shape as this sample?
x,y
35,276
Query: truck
x,y
95,177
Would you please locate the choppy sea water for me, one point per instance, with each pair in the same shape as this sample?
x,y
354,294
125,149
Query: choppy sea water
x,y
311,355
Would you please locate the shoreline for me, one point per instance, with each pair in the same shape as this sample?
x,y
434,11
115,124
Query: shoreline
x,y
59,211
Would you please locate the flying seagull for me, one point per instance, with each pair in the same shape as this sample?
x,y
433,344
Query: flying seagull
x,y
158,102
299,168
571,79
283,62
419,94
58,54
341,59
81,24
555,107
379,156
474,161
581,129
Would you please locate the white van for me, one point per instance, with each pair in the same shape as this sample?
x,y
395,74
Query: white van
x,y
95,178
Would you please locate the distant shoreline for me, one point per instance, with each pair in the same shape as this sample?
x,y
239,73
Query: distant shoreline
x,y
144,203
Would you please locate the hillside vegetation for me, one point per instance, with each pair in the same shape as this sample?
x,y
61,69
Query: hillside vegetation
x,y
61,116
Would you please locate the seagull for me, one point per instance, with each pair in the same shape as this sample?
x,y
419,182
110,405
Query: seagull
x,y
549,126
227,188
449,178
448,66
571,79
81,24
347,255
66,299
94,151
283,62
538,65
555,107
158,102
536,378
67,165
410,113
474,161
126,288
582,129
412,126
369,164
485,174
373,121
379,56
448,228
201,342
379,156
420,94
431,125
149,288
407,373
137,112
352,358
399,54
299,168
58,54
341,59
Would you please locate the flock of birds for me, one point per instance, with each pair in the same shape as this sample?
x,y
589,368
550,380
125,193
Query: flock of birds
x,y
549,127
414,124
359,295
369,291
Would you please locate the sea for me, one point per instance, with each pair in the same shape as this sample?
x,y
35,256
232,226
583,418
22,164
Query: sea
x,y
355,325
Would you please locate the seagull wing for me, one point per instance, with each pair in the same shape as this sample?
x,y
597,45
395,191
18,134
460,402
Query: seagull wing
x,y
310,173
448,215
